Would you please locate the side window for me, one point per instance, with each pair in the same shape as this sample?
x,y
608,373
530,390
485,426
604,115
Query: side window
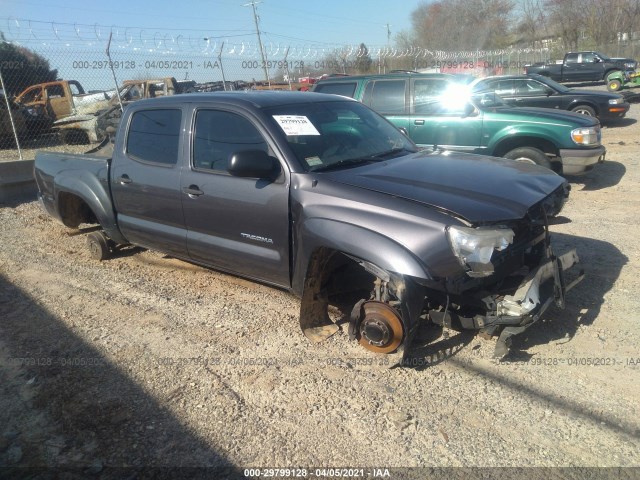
x,y
529,87
218,135
154,136
55,91
588,58
427,96
344,89
505,87
571,58
34,95
386,96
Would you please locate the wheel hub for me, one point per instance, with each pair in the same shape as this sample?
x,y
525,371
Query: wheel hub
x,y
381,329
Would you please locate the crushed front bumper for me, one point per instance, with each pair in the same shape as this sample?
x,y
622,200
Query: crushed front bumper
x,y
508,315
518,311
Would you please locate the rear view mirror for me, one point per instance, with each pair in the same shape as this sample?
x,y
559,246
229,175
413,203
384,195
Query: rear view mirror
x,y
253,164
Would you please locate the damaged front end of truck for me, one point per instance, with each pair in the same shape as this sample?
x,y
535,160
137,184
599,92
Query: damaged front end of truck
x,y
507,276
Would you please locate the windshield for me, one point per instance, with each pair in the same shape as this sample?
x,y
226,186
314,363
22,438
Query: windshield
x,y
338,134
604,57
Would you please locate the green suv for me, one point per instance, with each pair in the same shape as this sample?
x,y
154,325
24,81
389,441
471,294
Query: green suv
x,y
441,110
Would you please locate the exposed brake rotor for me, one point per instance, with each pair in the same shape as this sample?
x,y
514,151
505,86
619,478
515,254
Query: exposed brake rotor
x,y
381,329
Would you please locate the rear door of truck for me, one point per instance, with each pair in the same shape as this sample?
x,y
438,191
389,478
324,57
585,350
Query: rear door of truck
x,y
240,225
145,180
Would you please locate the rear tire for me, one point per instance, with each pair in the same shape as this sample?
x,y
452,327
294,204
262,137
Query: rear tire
x,y
529,155
584,110
614,85
98,245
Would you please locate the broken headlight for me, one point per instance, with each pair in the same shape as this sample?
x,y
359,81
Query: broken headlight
x,y
474,247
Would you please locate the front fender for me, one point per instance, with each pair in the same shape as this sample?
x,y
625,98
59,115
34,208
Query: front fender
x,y
94,192
511,132
353,240
615,75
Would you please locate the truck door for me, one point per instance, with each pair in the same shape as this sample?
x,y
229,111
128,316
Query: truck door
x,y
443,116
59,100
240,225
529,92
571,68
145,182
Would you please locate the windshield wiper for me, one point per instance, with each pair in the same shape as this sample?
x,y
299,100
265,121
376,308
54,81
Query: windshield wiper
x,y
391,152
348,162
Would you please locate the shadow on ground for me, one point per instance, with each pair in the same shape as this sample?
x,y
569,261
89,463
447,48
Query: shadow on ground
x,y
604,175
68,409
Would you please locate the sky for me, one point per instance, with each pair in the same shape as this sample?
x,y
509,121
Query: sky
x,y
73,35
316,21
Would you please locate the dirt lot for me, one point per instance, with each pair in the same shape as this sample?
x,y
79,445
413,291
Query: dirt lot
x,y
147,361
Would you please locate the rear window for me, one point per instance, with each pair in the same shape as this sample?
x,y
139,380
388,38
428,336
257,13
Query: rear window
x,y
154,136
346,89
386,96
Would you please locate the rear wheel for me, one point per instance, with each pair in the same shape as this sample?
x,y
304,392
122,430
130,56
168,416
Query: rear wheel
x,y
614,85
584,110
529,155
98,244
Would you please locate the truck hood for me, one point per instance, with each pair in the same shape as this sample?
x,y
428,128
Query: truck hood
x,y
532,114
479,189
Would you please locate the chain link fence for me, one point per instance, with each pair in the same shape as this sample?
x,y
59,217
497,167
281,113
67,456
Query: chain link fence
x,y
64,84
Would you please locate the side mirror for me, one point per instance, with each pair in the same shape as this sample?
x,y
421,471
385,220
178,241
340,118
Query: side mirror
x,y
253,164
403,131
597,60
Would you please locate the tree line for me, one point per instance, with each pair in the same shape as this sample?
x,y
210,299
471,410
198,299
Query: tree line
x,y
455,25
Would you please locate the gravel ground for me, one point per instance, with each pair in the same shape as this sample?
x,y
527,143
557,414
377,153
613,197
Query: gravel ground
x,y
147,361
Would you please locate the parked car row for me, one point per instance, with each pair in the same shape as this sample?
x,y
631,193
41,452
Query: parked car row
x,y
440,110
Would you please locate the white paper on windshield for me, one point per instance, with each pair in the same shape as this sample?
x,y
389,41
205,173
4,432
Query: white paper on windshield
x,y
313,161
296,125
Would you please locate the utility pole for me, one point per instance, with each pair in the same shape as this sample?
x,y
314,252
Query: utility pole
x,y
253,3
388,26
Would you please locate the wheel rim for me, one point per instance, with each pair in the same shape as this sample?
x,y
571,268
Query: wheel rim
x,y
613,86
381,329
583,111
525,160
95,249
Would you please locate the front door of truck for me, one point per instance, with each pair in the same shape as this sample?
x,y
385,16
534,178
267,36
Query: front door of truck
x,y
240,225
145,181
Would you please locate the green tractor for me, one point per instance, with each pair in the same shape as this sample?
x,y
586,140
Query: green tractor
x,y
619,80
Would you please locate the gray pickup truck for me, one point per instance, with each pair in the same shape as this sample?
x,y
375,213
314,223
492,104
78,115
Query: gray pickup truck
x,y
320,195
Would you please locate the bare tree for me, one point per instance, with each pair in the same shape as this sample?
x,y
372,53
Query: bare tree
x,y
463,25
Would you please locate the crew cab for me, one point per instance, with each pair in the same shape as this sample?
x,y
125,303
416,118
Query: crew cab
x,y
582,67
320,195
442,110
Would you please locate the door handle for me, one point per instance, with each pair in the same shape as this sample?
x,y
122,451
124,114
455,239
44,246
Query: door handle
x,y
124,178
418,122
193,190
